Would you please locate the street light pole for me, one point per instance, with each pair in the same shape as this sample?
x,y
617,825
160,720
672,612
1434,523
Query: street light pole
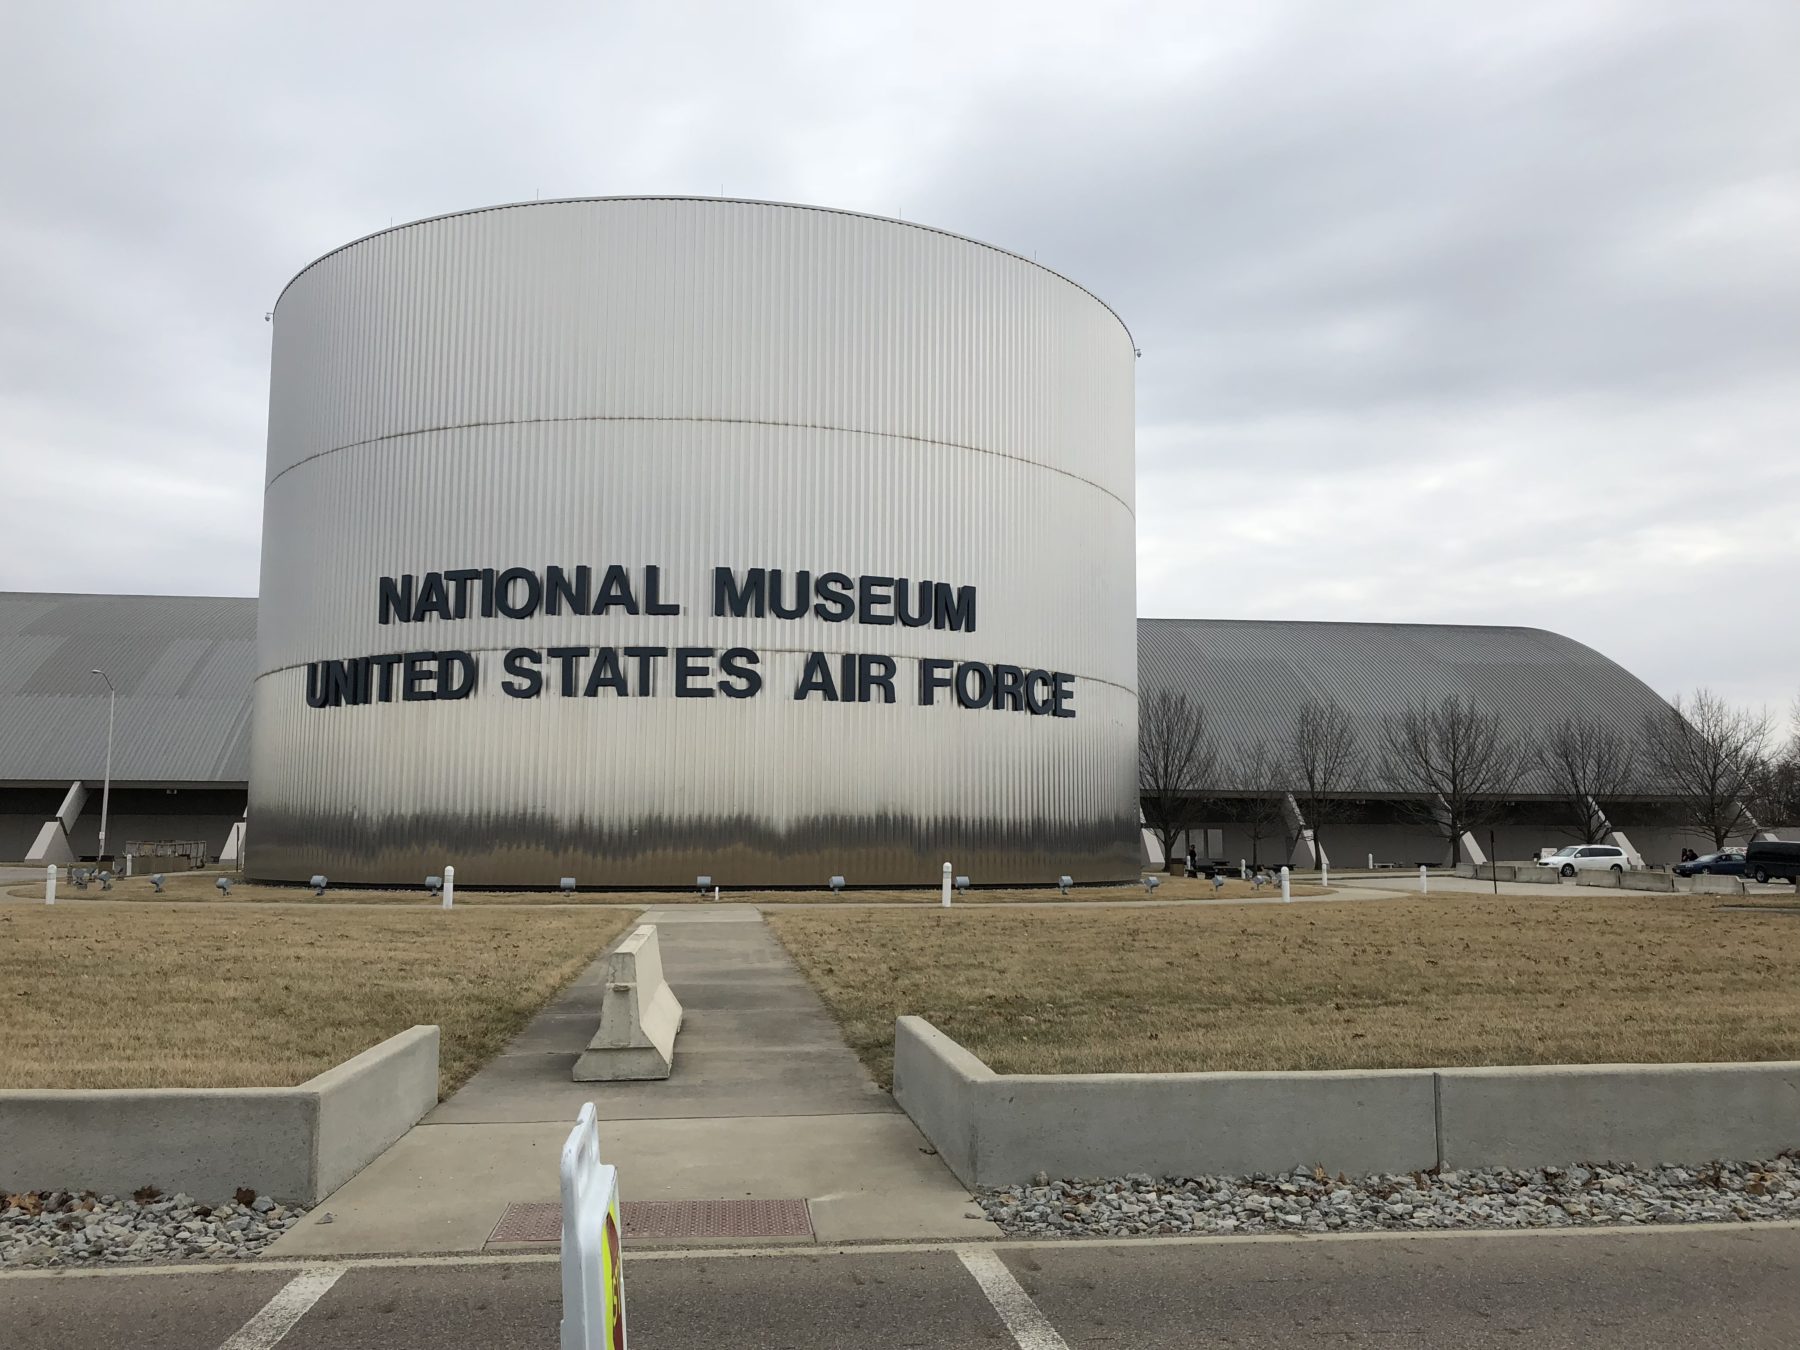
x,y
106,789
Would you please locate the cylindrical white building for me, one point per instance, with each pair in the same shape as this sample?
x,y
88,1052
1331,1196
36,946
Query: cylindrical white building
x,y
640,539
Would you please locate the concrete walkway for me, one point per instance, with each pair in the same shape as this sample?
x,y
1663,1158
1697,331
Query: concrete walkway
x,y
765,1102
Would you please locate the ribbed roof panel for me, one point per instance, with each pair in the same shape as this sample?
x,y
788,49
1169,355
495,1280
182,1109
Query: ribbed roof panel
x,y
182,664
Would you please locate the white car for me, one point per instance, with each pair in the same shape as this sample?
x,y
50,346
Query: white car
x,y
1586,858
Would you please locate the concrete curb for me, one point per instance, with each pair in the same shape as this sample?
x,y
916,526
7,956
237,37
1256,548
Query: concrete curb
x,y
999,1129
296,1144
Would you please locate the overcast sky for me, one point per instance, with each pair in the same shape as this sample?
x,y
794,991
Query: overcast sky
x,y
1450,312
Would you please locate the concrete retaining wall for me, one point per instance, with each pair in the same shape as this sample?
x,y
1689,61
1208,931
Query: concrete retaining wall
x,y
991,1129
1511,872
296,1144
1642,1113
998,1129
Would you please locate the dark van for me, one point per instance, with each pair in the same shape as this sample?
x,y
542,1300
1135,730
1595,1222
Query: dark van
x,y
1772,860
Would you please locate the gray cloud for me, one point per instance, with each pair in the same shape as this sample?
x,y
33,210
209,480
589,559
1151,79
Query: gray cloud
x,y
1462,313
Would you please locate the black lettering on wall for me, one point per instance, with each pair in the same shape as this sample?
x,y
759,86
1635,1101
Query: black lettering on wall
x,y
954,608
396,601
456,675
875,673
802,594
1009,694
653,601
646,657
616,592
816,679
688,668
557,590
522,665
914,618
1064,685
974,692
460,579
433,598
934,674
606,674
503,593
418,671
568,656
740,602
739,663
835,604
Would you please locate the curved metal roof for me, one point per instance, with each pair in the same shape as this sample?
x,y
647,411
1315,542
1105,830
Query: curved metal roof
x,y
1250,674
183,666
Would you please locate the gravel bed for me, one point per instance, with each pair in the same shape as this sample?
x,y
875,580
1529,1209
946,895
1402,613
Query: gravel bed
x,y
57,1228
1309,1200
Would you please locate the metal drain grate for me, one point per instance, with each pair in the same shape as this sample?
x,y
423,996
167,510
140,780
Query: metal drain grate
x,y
656,1220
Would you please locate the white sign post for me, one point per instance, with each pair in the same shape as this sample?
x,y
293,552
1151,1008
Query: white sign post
x,y
947,885
593,1281
449,886
1286,897
50,884
1424,879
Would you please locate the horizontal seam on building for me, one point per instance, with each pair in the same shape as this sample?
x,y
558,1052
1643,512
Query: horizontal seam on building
x,y
788,651
722,421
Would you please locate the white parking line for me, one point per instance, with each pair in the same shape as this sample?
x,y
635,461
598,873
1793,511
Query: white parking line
x,y
1029,1327
277,1317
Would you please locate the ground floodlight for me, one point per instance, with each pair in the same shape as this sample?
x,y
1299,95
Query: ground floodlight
x,y
836,884
1151,881
157,881
318,884
433,885
962,885
1063,884
703,884
566,884
224,885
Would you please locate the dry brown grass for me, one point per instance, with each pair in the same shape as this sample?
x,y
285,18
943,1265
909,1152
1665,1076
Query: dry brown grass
x,y
200,888
204,996
1439,981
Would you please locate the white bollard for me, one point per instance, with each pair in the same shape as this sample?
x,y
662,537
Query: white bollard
x,y
1371,862
1243,869
1325,873
947,885
715,895
1424,879
50,884
449,887
1286,899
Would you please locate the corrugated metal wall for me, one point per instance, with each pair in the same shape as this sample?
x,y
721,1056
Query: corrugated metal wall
x,y
691,384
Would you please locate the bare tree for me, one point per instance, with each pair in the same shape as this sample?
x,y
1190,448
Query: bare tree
x,y
1322,760
1457,760
1262,813
1585,762
1176,757
1706,754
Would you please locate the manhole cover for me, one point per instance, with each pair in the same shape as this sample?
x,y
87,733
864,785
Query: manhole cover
x,y
660,1220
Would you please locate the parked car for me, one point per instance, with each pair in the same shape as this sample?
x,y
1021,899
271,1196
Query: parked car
x,y
1587,858
1773,860
1729,863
